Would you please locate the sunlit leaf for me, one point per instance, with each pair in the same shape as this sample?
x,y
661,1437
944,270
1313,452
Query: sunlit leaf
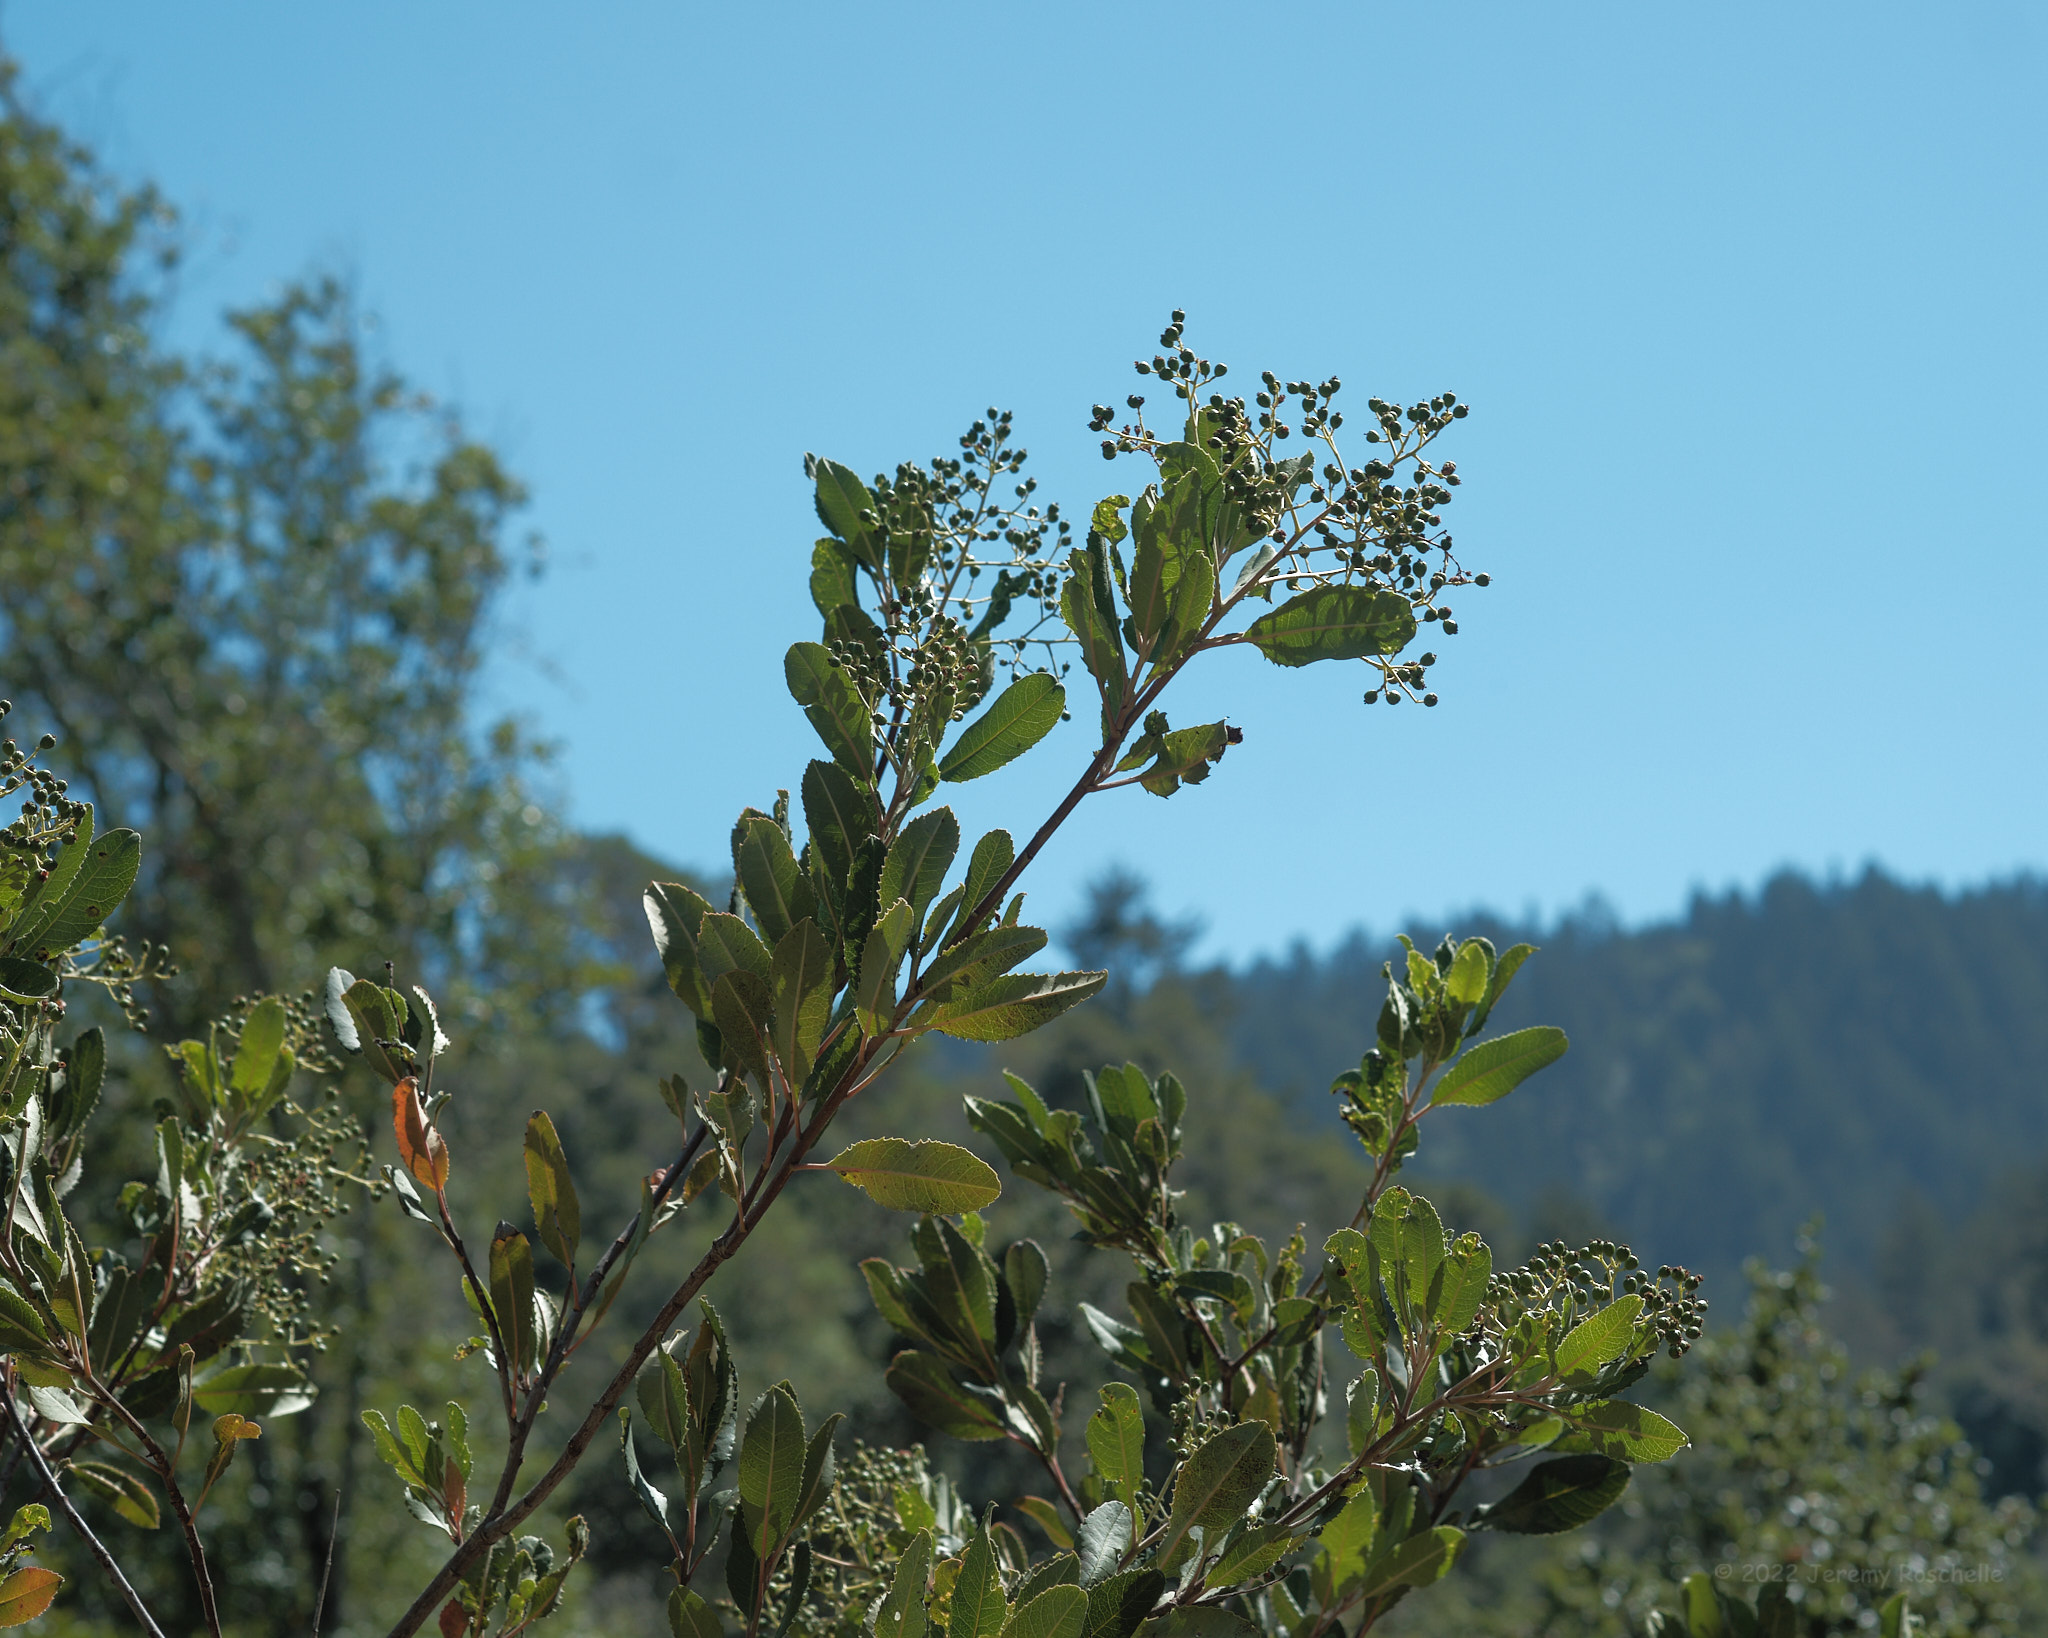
x,y
1022,715
557,1217
1490,1071
922,1176
26,1593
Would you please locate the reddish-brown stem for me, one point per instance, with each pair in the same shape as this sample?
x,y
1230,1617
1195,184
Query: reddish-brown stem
x,y
565,1340
483,1305
505,1518
167,1470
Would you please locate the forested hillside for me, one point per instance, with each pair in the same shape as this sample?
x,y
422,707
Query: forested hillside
x,y
1840,1049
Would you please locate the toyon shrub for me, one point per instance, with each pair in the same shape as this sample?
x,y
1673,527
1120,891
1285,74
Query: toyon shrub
x,y
1299,1436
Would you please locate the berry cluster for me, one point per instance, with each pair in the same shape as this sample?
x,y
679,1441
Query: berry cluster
x,y
1378,523
30,845
1573,1282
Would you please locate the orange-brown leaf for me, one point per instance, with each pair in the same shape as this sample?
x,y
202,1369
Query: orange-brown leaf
x,y
423,1149
25,1594
454,1619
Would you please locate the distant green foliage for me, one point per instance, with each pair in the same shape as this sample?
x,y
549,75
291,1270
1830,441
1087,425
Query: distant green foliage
x,y
252,596
1833,1489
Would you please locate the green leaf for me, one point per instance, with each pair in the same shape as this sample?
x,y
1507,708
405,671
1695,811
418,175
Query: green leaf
x,y
840,815
1493,1069
841,500
925,1176
832,577
675,914
1186,464
127,1493
85,1072
881,955
1160,1323
1217,1483
1252,1555
1613,1427
1471,967
833,706
665,1399
1200,1621
1184,756
1118,1606
978,958
28,1519
1105,1533
801,982
256,1052
1600,1337
254,1390
993,855
1155,567
24,982
817,1480
1466,1269
900,1614
655,1503
1106,519
44,899
1416,1562
55,1405
1116,1439
1058,1612
1088,606
1361,1410
776,890
1504,971
1025,1274
726,944
1047,1517
1334,623
1556,1496
1014,1005
373,1016
934,1395
557,1217
979,1608
511,1274
771,1468
1194,598
689,1616
743,1008
918,860
103,880
1022,715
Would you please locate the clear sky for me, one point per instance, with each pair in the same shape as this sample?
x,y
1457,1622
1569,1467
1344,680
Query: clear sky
x,y
1747,300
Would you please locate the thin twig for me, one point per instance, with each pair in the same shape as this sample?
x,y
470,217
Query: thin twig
x,y
92,1542
166,1469
327,1570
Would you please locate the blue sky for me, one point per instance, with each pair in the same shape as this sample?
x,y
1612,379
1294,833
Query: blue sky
x,y
1746,300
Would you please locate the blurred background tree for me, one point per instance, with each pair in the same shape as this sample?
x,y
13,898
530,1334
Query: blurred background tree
x,y
253,596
